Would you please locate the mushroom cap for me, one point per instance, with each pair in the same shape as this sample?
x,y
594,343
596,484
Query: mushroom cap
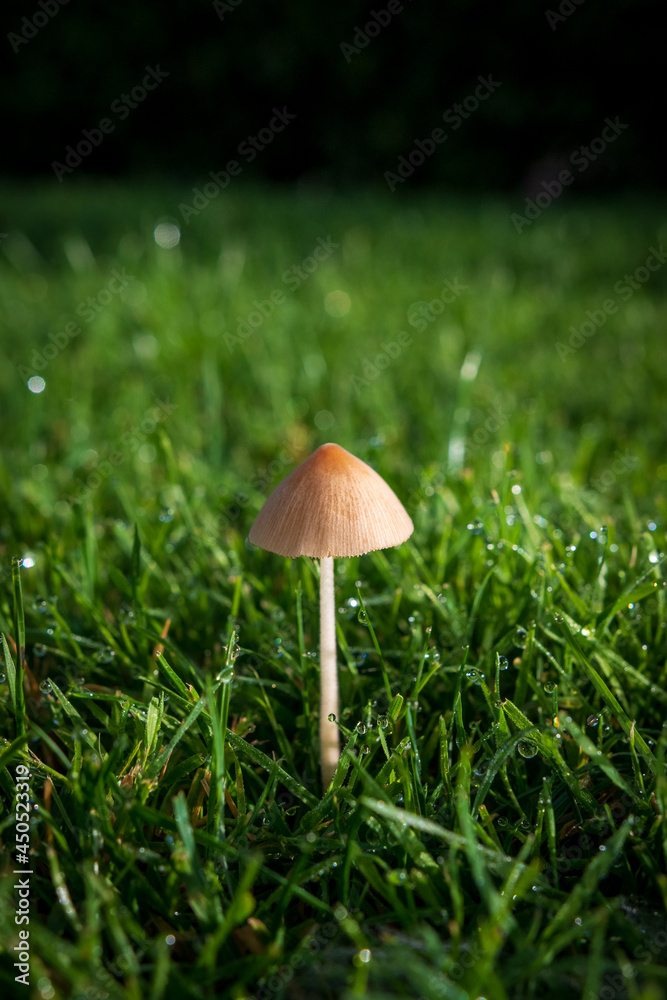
x,y
333,504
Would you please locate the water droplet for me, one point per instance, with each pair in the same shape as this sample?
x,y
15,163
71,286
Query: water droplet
x,y
3,678
105,655
166,514
365,749
352,602
503,663
331,716
40,649
476,527
526,748
383,721
521,637
361,727
45,686
40,605
473,675
362,617
226,676
549,687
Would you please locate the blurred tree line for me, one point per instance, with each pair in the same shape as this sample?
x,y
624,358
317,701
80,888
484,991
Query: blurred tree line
x,y
364,84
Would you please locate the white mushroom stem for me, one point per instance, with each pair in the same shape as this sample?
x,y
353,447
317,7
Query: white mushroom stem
x,y
329,745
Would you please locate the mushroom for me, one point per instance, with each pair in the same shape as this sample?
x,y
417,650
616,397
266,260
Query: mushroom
x,y
331,505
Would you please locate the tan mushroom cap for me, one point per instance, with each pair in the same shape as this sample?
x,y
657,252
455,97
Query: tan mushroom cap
x,y
333,504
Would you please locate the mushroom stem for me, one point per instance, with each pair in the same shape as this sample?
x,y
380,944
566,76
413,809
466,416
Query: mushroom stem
x,y
329,746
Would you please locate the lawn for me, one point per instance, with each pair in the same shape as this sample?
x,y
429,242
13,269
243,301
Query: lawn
x,y
497,828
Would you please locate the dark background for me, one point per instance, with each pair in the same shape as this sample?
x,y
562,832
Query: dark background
x,y
354,118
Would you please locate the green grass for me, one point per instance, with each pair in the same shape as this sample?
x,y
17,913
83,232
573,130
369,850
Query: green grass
x,y
498,828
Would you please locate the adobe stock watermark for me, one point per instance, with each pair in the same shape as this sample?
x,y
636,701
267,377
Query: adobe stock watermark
x,y
249,149
454,116
317,941
292,278
107,975
420,314
622,464
378,20
418,497
566,9
453,972
129,444
23,868
625,288
259,481
602,483
654,938
88,309
581,158
652,950
30,26
494,418
374,366
222,7
121,106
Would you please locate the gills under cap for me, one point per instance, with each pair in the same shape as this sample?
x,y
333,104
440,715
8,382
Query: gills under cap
x,y
333,504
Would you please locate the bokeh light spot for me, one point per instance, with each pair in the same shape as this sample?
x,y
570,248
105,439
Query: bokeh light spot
x,y
167,235
324,420
337,303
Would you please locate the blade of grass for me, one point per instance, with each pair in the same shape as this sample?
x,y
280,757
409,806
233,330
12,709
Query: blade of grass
x,y
383,665
15,686
611,702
